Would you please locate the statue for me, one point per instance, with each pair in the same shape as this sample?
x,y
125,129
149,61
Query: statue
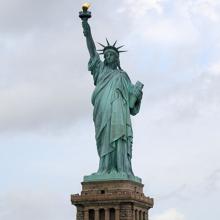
x,y
114,99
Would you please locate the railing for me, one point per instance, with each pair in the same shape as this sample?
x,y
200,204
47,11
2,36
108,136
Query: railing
x,y
122,195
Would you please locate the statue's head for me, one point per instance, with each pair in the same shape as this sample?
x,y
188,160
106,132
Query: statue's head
x,y
111,57
111,54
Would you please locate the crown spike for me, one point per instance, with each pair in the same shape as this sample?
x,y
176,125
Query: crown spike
x,y
107,42
122,51
101,44
120,47
115,43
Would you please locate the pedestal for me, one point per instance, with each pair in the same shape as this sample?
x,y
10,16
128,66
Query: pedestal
x,y
112,200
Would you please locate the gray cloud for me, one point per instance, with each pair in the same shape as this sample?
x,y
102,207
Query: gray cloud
x,y
42,81
179,193
33,106
34,205
212,182
24,15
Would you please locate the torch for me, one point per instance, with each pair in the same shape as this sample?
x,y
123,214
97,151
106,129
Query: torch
x,y
85,14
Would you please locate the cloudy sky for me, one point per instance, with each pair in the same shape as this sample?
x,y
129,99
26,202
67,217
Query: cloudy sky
x,y
47,139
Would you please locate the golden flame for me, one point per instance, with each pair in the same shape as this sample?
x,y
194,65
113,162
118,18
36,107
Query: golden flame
x,y
86,6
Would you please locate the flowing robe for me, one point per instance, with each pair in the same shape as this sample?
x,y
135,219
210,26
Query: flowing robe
x,y
111,116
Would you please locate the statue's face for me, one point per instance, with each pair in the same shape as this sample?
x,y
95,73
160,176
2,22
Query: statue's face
x,y
110,57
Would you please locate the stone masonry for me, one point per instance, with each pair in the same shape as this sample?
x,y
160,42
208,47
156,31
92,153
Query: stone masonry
x,y
112,200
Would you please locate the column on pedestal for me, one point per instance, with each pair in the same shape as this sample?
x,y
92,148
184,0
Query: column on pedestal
x,y
86,214
96,214
79,214
117,214
107,214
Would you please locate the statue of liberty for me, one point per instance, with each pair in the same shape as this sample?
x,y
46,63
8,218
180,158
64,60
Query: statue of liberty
x,y
114,99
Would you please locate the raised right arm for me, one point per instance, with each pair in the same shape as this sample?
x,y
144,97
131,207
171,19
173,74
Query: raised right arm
x,y
89,40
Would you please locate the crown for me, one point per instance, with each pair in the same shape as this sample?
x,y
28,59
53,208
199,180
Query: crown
x,y
111,47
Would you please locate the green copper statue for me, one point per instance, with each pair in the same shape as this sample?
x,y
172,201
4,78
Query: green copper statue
x,y
114,99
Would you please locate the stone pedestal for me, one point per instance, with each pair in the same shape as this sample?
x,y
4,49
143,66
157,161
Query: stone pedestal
x,y
112,200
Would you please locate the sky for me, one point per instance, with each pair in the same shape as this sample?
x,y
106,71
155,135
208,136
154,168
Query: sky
x,y
47,134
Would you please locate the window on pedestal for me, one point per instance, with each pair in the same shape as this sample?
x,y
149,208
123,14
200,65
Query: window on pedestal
x,y
140,215
144,216
136,214
91,214
112,214
101,214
